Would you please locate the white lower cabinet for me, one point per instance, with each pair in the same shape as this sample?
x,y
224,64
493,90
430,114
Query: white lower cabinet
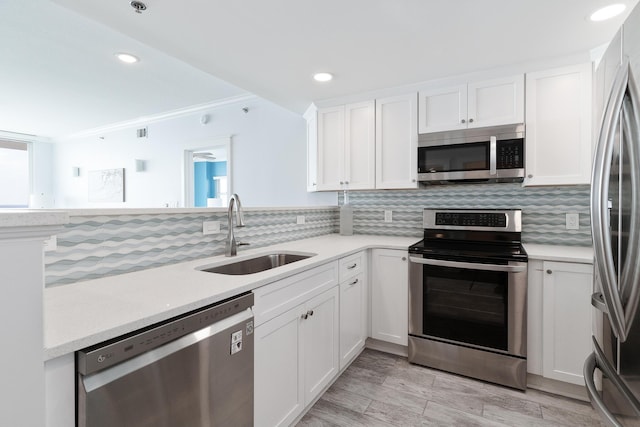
x,y
560,319
296,353
353,306
389,295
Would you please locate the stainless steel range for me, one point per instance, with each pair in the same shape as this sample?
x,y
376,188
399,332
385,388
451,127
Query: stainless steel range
x,y
468,295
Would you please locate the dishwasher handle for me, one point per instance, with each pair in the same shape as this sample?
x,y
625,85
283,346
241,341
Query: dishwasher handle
x,y
100,379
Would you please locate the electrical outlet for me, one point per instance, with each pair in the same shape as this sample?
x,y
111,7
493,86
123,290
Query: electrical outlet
x,y
573,221
51,244
388,216
210,227
300,219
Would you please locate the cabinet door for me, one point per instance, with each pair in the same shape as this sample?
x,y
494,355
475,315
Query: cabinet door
x,y
389,295
566,323
311,117
353,326
534,316
278,366
320,342
558,126
359,153
442,109
496,102
330,148
396,142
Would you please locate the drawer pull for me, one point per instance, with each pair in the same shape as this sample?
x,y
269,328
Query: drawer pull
x,y
353,283
351,267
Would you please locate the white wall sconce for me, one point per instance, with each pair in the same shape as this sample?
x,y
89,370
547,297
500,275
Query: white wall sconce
x,y
75,171
141,165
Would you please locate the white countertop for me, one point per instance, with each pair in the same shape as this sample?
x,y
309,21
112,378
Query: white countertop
x,y
82,314
579,254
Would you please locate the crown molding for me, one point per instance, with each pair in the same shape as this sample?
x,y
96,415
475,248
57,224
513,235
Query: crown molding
x,y
154,118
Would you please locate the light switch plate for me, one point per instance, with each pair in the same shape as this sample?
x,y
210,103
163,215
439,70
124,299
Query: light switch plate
x,y
573,221
388,216
210,227
300,219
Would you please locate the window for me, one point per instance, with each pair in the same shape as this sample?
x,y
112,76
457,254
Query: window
x,y
14,174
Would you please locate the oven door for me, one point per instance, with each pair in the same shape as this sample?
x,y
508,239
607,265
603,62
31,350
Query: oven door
x,y
472,304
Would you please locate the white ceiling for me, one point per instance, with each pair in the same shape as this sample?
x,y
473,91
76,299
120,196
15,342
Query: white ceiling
x,y
269,48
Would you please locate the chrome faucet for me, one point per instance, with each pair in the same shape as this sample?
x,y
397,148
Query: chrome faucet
x,y
231,247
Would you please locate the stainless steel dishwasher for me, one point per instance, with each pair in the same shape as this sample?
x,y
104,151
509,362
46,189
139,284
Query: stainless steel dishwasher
x,y
195,370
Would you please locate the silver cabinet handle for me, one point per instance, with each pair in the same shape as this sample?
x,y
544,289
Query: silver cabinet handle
x,y
470,120
404,258
549,271
598,302
305,316
351,267
353,283
468,265
493,154
463,121
529,176
310,312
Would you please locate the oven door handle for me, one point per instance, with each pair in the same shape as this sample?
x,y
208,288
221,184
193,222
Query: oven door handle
x,y
469,265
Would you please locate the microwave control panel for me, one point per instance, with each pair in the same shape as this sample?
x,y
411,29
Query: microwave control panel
x,y
510,154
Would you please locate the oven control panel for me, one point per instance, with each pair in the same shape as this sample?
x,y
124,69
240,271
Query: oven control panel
x,y
502,220
471,219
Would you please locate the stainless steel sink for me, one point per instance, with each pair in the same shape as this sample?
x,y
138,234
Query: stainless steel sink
x,y
256,264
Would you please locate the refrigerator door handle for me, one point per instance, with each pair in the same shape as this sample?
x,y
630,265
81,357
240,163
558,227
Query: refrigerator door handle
x,y
602,249
630,276
589,370
597,360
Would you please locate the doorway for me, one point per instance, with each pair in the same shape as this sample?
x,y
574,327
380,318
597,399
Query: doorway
x,y
207,174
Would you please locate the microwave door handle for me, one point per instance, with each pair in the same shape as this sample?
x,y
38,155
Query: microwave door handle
x,y
493,150
468,265
600,178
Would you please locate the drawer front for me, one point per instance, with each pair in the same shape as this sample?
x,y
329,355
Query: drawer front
x,y
351,265
278,297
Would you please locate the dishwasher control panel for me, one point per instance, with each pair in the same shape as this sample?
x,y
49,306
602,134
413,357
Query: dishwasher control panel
x,y
104,355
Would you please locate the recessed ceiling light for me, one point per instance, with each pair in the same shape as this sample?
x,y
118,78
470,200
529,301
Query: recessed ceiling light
x,y
322,77
127,58
607,12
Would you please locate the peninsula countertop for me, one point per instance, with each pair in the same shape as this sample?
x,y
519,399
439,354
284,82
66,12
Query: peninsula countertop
x,y
85,313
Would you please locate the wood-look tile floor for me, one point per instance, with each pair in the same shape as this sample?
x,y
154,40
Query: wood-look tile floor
x,y
381,389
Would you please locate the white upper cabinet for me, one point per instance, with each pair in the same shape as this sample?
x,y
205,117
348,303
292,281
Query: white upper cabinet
x,y
443,109
312,148
396,142
558,126
346,147
470,105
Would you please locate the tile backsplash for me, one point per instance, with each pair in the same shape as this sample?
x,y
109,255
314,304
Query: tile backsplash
x,y
543,209
98,246
93,246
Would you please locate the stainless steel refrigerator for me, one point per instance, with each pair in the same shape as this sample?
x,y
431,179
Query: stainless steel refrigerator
x,y
612,371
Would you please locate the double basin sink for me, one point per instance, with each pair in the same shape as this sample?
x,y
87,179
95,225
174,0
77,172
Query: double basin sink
x,y
256,264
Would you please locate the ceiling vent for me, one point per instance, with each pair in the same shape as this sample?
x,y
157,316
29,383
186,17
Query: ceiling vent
x,y
142,132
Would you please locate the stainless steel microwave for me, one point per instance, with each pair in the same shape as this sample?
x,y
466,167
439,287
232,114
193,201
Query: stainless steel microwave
x,y
491,154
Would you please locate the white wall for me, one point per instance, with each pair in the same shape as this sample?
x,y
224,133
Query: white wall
x,y
268,154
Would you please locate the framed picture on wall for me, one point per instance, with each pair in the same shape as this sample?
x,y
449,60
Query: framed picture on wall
x,y
106,185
